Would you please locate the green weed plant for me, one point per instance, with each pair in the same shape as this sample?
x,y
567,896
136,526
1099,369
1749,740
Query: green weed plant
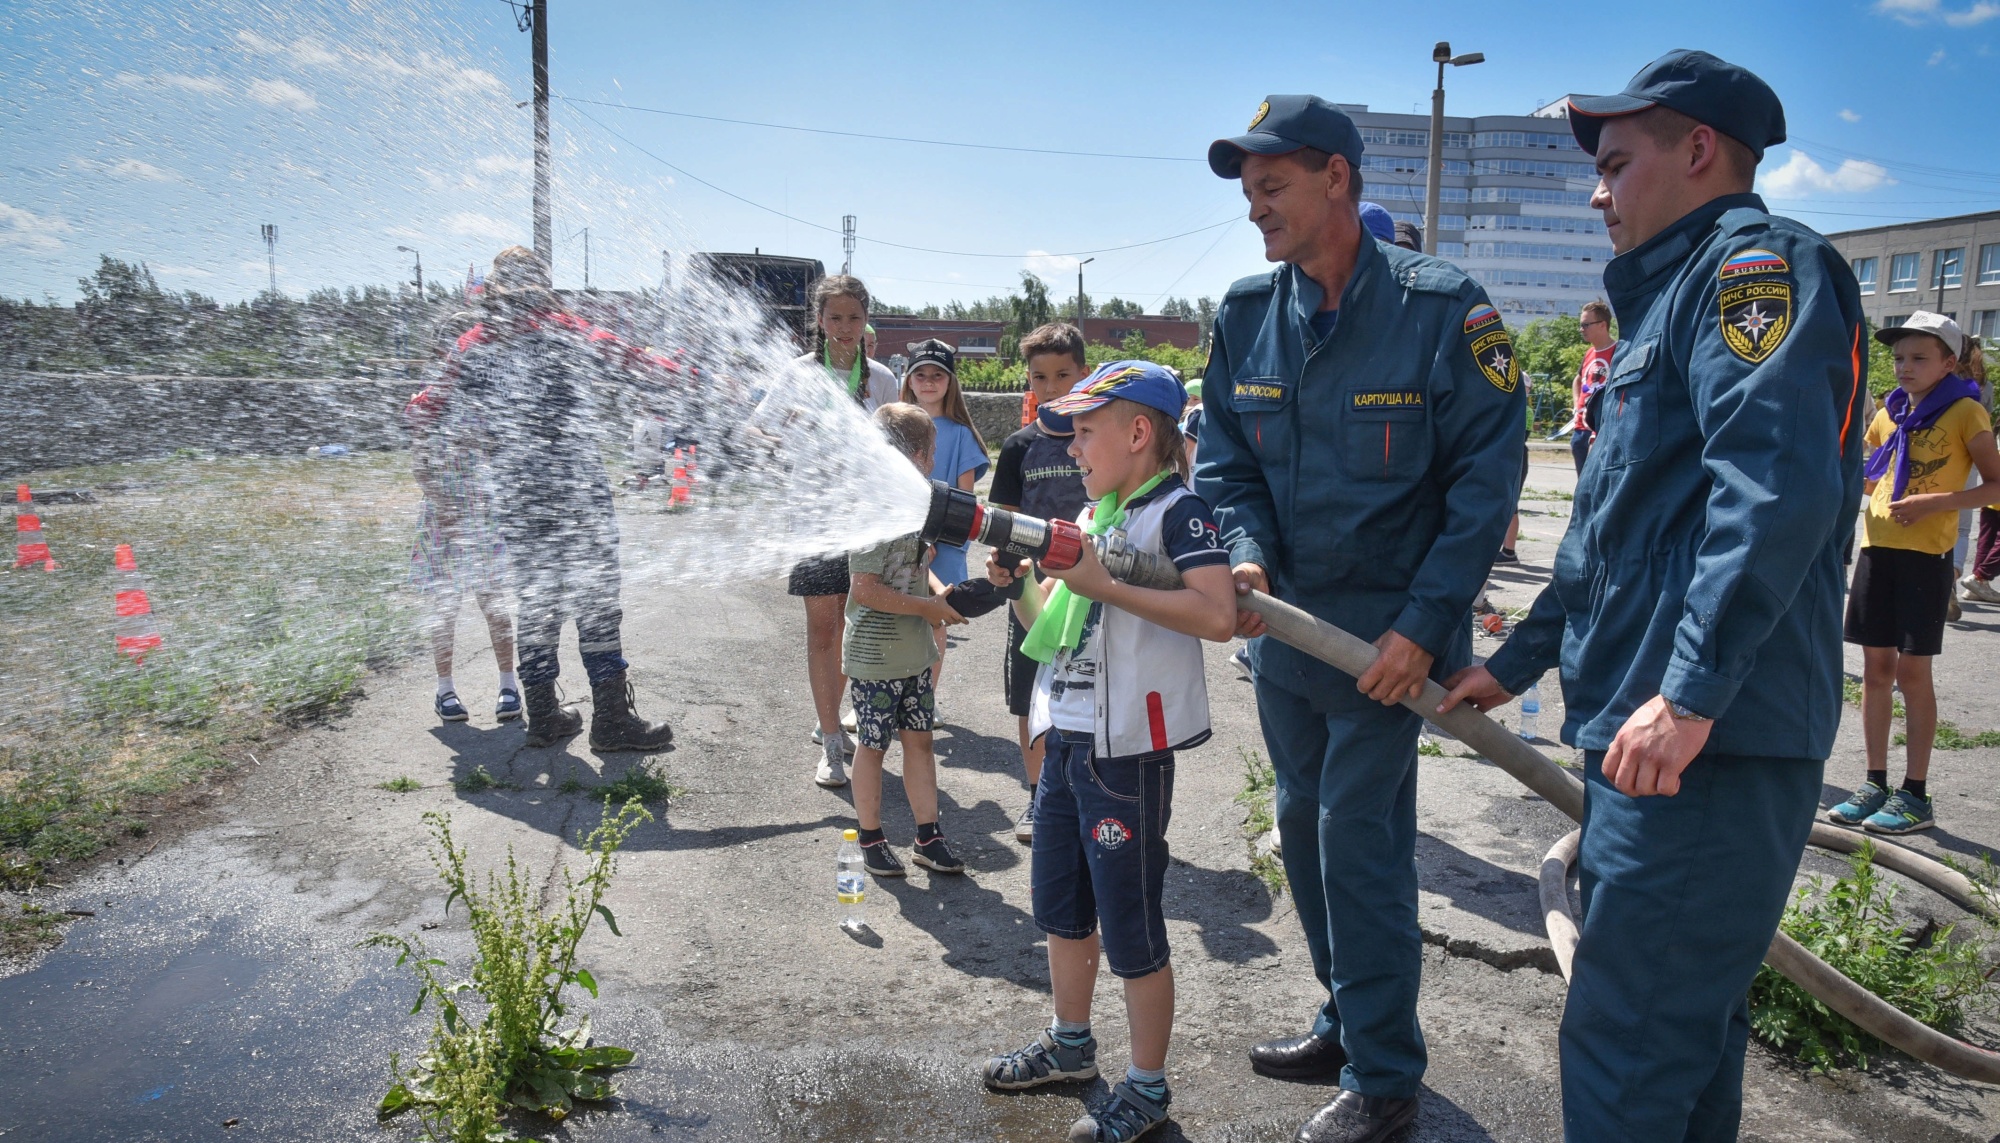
x,y
1259,799
1851,925
515,1054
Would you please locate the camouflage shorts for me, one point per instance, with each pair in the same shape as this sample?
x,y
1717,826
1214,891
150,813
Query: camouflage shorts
x,y
884,706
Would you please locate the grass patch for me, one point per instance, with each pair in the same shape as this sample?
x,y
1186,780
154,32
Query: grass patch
x,y
479,780
1950,737
28,930
1546,494
1259,800
481,1067
401,784
1852,926
1850,689
275,583
1428,749
642,784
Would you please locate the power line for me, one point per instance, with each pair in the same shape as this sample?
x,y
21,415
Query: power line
x,y
883,241
886,138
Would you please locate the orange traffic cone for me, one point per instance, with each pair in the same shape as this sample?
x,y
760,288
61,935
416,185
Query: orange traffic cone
x,y
1029,406
138,635
682,489
30,548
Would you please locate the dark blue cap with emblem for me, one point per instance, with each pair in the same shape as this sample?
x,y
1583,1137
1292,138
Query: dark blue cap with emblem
x,y
1708,90
1287,123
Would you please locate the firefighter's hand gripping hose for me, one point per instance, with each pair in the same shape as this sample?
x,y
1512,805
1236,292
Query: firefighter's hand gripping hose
x,y
956,516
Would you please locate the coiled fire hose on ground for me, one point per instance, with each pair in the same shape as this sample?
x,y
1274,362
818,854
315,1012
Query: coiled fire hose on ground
x,y
956,516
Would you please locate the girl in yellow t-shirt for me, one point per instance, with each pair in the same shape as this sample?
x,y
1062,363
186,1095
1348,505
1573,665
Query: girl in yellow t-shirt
x,y
1930,433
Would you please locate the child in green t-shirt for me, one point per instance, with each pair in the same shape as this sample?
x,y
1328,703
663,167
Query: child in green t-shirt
x,y
887,650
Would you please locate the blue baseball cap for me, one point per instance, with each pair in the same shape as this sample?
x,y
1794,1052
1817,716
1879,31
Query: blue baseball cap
x,y
1708,90
1287,123
1378,221
1152,385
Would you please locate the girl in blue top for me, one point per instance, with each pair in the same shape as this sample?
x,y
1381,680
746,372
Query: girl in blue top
x,y
931,383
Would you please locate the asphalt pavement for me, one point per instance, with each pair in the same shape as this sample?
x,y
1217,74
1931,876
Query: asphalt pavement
x,y
219,978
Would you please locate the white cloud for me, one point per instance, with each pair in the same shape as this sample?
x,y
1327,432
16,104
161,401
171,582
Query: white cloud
x,y
27,230
446,74
1850,115
1937,57
1802,175
1045,265
503,164
127,169
468,224
193,84
1916,12
282,93
181,271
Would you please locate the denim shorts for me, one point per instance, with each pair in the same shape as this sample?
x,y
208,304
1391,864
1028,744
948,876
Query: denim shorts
x,y
1100,851
884,706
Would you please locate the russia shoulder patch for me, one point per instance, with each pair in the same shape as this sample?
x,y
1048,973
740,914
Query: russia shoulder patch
x,y
1750,263
1481,316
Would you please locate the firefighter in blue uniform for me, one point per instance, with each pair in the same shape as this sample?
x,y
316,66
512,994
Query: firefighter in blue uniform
x,y
1362,452
1696,604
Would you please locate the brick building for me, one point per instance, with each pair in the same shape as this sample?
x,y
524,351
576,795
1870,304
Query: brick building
x,y
974,339
1177,332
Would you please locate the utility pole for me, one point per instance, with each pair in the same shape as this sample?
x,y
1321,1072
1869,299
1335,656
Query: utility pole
x,y
420,268
1079,293
1441,55
538,15
847,243
271,253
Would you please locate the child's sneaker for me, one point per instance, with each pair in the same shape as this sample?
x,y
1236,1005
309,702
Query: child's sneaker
x,y
1047,1060
1024,826
509,706
449,708
1859,805
1904,813
1979,589
879,859
936,856
832,771
847,743
1128,1116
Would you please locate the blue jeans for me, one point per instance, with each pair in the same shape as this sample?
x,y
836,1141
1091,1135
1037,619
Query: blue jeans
x,y
1579,447
1100,851
1347,814
1680,897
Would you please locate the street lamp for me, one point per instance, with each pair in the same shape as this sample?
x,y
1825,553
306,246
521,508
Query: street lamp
x,y
420,268
1079,293
1441,55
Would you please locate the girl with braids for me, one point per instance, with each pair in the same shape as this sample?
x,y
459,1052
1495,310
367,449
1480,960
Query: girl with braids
x,y
840,321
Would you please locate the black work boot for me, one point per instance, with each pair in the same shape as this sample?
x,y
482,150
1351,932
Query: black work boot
x,y
615,725
549,721
1356,1118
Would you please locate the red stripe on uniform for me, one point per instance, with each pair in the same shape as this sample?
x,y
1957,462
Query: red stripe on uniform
x,y
1847,421
1156,719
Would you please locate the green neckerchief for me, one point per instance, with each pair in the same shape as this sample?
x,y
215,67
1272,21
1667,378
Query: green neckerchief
x,y
1060,625
853,374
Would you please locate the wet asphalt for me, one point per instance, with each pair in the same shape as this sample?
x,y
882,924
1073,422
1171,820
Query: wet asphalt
x,y
219,979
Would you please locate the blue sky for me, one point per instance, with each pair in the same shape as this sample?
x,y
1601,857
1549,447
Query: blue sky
x,y
170,132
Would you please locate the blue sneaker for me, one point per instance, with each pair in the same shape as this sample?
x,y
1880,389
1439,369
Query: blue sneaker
x,y
509,706
1904,813
1129,1115
449,708
1863,802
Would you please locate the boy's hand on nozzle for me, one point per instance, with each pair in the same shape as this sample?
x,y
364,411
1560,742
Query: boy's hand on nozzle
x,y
1089,578
1003,574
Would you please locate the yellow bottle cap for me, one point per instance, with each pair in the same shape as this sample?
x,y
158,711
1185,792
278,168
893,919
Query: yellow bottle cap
x,y
850,835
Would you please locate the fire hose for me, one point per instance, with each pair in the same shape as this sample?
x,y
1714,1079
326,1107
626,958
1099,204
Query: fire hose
x,y
956,516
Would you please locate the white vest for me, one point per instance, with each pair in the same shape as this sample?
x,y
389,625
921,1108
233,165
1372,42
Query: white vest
x,y
1152,690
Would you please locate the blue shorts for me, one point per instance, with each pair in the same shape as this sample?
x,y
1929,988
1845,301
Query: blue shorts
x,y
882,707
1100,852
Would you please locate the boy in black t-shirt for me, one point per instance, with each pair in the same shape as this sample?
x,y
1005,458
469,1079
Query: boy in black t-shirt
x,y
1037,477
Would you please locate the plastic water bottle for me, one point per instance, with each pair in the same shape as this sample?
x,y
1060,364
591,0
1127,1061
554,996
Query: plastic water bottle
x,y
1531,711
850,883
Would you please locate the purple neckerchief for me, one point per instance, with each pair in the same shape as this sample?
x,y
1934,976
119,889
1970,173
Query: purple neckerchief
x,y
1944,395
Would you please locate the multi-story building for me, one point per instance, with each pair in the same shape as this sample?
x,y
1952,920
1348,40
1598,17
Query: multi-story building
x,y
1945,265
1513,203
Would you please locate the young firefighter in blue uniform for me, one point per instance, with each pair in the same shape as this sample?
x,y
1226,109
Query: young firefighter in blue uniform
x,y
1696,606
1362,450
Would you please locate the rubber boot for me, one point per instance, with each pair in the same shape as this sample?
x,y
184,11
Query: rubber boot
x,y
549,721
615,724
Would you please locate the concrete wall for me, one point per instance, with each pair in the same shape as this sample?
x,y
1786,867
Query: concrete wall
x,y
996,415
54,420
